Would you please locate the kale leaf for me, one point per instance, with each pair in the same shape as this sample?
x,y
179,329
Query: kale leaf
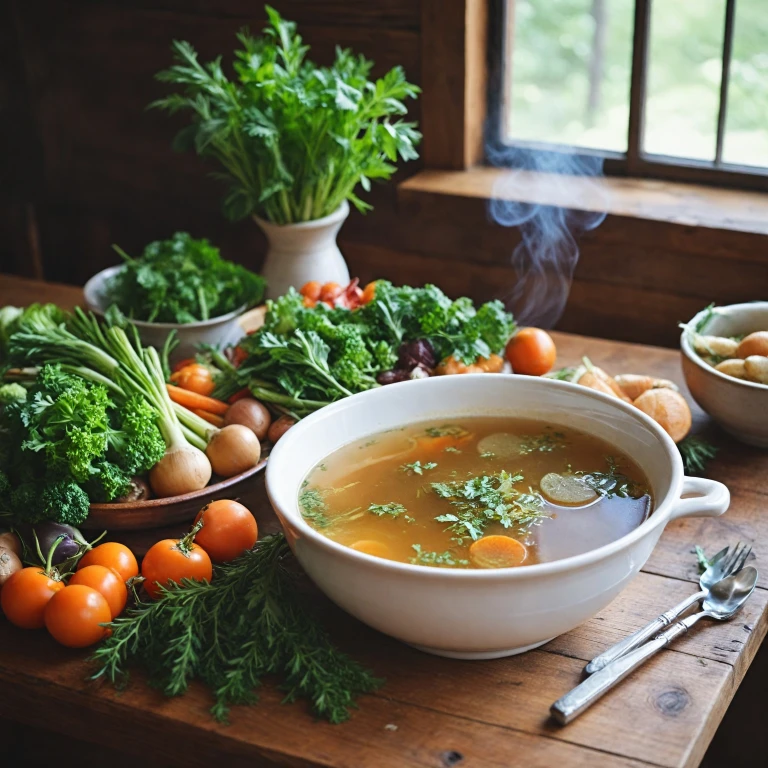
x,y
182,280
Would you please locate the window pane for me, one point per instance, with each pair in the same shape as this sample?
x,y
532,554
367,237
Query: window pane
x,y
568,80
746,124
684,68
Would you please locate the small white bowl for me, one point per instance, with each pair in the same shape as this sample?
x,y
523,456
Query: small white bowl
x,y
218,331
739,407
481,614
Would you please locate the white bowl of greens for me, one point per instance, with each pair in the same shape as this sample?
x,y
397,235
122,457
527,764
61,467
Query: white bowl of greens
x,y
182,285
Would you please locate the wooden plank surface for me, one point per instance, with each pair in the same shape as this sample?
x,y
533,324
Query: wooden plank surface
x,y
440,712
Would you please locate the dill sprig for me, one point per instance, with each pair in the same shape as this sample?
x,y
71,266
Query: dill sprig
x,y
696,452
250,621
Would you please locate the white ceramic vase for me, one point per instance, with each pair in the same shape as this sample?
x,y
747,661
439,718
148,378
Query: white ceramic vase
x,y
304,251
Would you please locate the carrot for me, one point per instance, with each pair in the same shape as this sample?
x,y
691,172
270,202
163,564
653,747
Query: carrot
x,y
192,400
244,392
211,418
497,552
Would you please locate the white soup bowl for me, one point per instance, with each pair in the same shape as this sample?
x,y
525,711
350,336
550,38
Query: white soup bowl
x,y
480,614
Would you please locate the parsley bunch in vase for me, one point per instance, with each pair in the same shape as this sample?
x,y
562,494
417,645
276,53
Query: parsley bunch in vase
x,y
294,140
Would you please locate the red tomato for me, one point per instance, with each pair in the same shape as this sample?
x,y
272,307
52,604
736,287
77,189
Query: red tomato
x,y
228,530
531,351
196,378
107,583
311,290
172,560
112,555
75,615
25,595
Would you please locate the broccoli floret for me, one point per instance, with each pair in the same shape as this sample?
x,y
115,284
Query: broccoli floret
x,y
12,393
61,501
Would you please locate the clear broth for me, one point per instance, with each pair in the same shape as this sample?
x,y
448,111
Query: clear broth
x,y
378,494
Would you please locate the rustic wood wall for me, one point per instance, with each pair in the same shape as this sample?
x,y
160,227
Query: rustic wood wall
x,y
86,165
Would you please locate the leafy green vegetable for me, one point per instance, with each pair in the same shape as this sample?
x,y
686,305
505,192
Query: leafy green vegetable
x,y
486,498
447,430
294,139
68,438
61,501
182,280
250,621
696,452
306,357
446,558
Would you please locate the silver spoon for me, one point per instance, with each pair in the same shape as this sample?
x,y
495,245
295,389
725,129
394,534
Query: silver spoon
x,y
721,565
725,598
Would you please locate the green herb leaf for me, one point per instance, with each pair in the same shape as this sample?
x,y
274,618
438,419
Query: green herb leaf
x,y
696,452
613,482
391,509
417,468
488,498
447,558
251,621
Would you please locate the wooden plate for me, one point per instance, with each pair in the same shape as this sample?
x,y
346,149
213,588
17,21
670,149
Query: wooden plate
x,y
156,513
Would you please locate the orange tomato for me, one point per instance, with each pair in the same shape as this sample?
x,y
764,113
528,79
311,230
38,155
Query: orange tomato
x,y
195,378
74,616
369,292
330,291
172,560
25,596
228,530
309,302
112,555
107,583
531,351
182,364
311,290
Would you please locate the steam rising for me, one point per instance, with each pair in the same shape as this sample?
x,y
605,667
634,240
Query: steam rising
x,y
547,254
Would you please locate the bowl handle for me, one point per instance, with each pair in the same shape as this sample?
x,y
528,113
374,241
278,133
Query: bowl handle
x,y
708,499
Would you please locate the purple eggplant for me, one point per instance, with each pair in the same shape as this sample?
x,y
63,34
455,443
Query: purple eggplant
x,y
392,377
72,543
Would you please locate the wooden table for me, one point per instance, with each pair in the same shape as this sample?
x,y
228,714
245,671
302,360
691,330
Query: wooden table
x,y
439,712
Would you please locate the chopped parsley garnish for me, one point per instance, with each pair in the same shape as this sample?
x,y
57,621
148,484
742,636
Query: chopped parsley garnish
x,y
447,430
451,449
436,558
313,507
613,483
488,498
417,468
488,455
544,443
388,510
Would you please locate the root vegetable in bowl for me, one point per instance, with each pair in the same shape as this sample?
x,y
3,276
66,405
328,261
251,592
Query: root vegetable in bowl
x,y
711,345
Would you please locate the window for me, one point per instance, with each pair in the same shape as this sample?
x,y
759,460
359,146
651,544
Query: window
x,y
668,88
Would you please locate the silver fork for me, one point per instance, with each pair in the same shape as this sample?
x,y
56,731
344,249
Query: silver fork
x,y
724,563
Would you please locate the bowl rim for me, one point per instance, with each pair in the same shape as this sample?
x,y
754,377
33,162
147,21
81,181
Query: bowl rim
x,y
690,353
98,309
659,517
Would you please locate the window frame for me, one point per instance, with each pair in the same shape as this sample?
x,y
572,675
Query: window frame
x,y
635,162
